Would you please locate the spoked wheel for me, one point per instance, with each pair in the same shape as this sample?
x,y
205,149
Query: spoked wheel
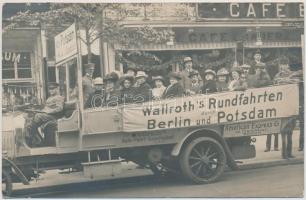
x,y
7,185
203,160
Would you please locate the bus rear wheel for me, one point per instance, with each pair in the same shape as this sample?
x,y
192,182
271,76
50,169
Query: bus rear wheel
x,y
203,160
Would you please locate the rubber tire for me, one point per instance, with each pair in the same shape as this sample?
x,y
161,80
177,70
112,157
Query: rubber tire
x,y
184,161
8,183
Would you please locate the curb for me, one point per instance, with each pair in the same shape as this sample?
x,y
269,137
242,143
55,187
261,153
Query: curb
x,y
282,162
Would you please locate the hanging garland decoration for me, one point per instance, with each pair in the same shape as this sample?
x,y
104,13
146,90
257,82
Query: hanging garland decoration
x,y
176,59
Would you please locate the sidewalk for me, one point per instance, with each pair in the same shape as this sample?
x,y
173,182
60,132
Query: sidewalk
x,y
262,159
272,158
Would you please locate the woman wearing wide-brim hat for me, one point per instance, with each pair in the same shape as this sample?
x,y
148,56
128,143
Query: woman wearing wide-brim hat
x,y
175,89
159,87
210,85
222,79
127,91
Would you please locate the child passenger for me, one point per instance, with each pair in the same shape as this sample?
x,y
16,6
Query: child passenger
x,y
222,79
210,83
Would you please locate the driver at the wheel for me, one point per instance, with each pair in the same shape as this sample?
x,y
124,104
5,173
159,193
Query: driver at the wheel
x,y
54,105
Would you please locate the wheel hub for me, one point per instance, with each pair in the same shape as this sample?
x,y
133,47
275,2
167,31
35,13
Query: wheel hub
x,y
204,159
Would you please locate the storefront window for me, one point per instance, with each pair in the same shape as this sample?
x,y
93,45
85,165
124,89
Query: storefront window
x,y
62,80
67,78
16,65
73,87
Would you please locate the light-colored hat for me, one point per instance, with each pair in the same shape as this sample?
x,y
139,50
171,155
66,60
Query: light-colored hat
x,y
141,74
222,72
245,66
187,59
209,71
154,78
98,81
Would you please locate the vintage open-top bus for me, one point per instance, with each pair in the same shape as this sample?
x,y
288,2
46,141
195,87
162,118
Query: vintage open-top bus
x,y
197,136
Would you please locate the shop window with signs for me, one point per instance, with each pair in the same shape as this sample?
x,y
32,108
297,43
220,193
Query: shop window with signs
x,y
16,65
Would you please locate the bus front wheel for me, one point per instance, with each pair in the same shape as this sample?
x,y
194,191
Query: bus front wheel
x,y
203,160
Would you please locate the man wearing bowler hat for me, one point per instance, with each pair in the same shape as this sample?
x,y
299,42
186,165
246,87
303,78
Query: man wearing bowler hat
x,y
53,107
175,89
87,81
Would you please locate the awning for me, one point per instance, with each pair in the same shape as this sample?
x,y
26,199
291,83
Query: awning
x,y
180,47
209,46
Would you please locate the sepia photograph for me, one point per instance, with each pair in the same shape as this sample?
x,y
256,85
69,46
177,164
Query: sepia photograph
x,y
153,99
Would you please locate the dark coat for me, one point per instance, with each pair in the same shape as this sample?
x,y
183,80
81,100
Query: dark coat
x,y
143,93
127,95
259,80
222,86
209,87
172,91
112,98
96,99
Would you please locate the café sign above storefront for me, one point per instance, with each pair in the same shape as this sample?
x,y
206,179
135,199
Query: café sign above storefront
x,y
251,10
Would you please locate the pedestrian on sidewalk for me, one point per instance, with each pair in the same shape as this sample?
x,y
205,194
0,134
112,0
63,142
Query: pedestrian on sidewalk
x,y
286,133
268,142
301,116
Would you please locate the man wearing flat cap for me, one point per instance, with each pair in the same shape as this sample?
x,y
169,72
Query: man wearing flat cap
x,y
188,67
87,81
53,107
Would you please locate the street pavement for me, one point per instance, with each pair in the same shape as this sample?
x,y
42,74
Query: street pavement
x,y
263,159
277,181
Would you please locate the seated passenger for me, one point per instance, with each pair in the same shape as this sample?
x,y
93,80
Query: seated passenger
x,y
127,91
237,84
245,69
159,89
97,98
53,108
222,80
188,67
196,83
112,94
175,89
210,85
261,77
284,74
143,91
